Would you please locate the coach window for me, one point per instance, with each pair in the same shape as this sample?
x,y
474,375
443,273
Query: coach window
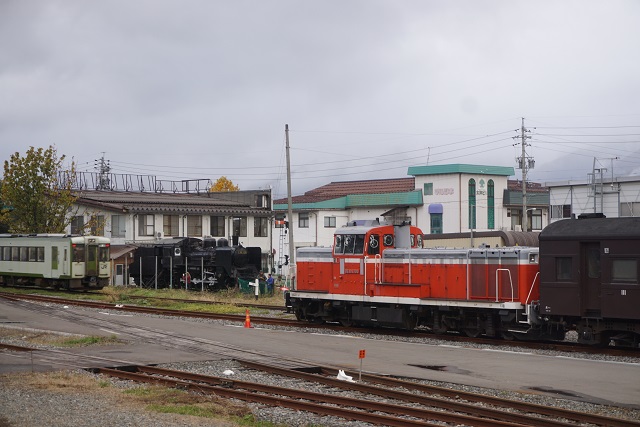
x,y
1,253
40,253
24,253
563,268
6,253
15,253
78,253
624,270
593,263
32,253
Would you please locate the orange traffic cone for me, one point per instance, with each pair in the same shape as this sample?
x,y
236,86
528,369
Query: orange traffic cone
x,y
247,320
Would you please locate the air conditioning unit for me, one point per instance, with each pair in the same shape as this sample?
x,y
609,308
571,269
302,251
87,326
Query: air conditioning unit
x,y
159,235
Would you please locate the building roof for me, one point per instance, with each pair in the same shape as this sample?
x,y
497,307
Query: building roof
x,y
460,168
145,202
336,190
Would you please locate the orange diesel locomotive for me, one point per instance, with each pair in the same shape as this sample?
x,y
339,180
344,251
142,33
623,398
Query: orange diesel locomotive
x,y
378,274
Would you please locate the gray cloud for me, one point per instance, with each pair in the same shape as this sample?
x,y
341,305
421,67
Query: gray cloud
x,y
200,89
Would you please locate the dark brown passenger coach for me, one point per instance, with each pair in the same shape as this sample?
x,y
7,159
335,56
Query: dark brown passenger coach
x,y
589,270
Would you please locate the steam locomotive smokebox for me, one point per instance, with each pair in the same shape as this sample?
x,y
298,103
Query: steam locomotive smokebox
x,y
209,242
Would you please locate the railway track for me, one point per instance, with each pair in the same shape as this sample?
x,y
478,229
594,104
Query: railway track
x,y
423,404
289,322
400,408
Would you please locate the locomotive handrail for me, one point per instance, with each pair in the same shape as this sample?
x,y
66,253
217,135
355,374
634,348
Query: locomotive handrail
x,y
377,267
510,282
532,285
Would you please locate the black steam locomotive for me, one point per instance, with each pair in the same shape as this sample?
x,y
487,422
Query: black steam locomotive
x,y
191,263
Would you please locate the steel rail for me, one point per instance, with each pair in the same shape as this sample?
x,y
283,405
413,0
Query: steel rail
x,y
445,404
252,396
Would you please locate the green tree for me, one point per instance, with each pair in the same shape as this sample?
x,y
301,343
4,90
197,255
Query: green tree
x,y
36,192
223,184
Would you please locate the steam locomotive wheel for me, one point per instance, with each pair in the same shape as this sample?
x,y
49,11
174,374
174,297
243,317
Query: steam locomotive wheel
x,y
347,323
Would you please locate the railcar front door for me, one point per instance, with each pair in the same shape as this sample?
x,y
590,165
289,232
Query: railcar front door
x,y
590,279
91,267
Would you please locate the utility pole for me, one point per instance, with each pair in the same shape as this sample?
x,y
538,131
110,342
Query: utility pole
x,y
524,163
292,248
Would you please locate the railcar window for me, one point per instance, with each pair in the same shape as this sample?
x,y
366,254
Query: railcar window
x,y
15,253
1,253
563,268
91,253
593,263
40,253
24,253
624,270
78,253
32,253
6,253
103,254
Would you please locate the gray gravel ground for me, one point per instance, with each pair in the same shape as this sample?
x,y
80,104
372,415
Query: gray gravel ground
x,y
21,405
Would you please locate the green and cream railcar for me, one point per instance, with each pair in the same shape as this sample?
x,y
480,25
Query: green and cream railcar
x,y
55,261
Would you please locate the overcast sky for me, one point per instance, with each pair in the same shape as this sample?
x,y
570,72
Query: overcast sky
x,y
202,89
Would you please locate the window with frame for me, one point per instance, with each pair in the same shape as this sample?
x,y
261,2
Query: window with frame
x,y
624,270
491,205
97,225
171,225
146,225
560,211
303,220
217,226
194,225
77,224
630,209
329,222
563,268
428,189
118,225
240,226
436,223
536,219
472,203
260,227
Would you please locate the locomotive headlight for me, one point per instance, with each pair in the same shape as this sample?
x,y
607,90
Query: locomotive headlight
x,y
533,258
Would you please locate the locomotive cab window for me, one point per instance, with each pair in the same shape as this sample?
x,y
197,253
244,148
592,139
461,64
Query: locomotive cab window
x,y
563,268
349,244
624,270
374,245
